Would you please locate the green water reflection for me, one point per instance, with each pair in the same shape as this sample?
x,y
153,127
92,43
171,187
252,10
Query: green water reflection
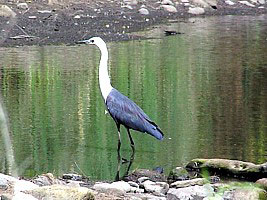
x,y
206,89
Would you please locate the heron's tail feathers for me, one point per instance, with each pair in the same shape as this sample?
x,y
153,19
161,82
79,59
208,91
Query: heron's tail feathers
x,y
154,130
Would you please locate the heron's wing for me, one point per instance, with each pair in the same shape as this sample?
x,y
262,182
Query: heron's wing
x,y
124,111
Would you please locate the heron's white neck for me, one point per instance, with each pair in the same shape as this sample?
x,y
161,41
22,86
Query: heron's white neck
x,y
104,80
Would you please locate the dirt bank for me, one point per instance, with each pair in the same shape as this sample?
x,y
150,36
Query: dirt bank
x,y
39,23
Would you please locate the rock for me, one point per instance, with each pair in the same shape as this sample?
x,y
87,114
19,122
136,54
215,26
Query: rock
x,y
21,195
145,174
44,11
133,184
201,3
142,179
22,185
3,184
143,196
32,17
73,177
156,187
22,6
47,179
229,2
245,194
196,11
261,1
192,192
167,2
187,183
178,174
131,2
6,11
262,182
119,186
227,167
59,192
169,8
143,11
122,185
247,3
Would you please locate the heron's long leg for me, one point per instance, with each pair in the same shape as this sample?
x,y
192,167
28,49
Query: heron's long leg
x,y
119,140
131,139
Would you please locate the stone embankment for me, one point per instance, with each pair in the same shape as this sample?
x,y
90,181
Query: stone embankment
x,y
180,184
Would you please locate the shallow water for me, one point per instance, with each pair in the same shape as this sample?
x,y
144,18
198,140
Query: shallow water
x,y
206,89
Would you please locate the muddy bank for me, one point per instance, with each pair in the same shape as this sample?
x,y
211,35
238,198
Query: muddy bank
x,y
38,23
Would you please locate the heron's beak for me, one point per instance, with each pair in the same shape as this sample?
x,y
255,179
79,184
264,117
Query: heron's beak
x,y
83,42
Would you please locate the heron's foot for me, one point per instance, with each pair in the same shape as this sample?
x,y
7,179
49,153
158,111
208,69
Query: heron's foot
x,y
124,160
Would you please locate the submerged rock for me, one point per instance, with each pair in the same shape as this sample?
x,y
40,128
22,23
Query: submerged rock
x,y
178,174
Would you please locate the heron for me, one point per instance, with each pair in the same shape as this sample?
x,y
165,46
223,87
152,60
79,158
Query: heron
x,y
122,109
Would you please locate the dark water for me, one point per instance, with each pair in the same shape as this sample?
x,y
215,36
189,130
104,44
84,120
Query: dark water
x,y
206,89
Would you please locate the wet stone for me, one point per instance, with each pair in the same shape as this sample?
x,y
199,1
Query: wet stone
x,y
22,6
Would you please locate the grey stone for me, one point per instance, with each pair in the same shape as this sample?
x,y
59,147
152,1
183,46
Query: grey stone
x,y
247,3
22,6
201,3
59,192
196,11
192,192
6,11
47,179
21,195
167,2
229,2
169,8
143,11
119,186
3,183
187,183
133,184
156,187
143,179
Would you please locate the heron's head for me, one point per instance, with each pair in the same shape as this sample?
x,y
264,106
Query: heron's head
x,y
94,40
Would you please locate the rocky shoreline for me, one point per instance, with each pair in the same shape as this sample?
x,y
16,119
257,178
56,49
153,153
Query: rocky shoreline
x,y
195,181
41,23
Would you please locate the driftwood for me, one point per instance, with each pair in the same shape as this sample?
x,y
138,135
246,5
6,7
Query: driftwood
x,y
230,168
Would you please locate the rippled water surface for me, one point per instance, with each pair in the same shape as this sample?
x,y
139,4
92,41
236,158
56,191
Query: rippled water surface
x,y
206,89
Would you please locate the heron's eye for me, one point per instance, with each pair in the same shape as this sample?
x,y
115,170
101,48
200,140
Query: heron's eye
x,y
92,41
